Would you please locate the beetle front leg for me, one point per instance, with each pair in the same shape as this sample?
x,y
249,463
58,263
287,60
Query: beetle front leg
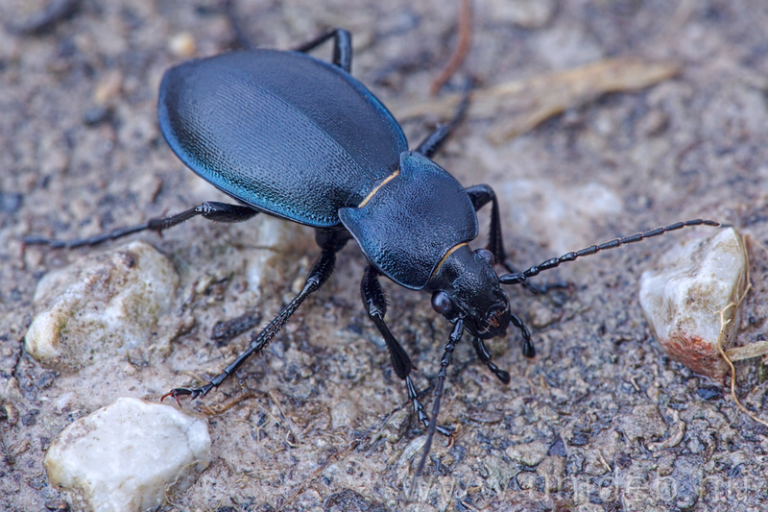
x,y
485,356
376,306
211,210
480,195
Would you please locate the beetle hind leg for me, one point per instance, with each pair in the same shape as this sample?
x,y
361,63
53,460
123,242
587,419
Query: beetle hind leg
x,y
376,307
331,242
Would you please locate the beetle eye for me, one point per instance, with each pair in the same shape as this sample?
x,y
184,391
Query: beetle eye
x,y
487,256
442,303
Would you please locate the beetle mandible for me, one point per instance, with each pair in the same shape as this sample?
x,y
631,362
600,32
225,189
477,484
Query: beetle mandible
x,y
293,136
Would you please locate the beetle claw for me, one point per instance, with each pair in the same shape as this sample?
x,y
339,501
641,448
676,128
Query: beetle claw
x,y
192,393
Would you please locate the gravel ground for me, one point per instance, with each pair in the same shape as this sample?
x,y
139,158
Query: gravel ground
x,y
600,420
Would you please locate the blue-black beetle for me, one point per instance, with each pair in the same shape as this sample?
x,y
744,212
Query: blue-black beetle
x,y
295,137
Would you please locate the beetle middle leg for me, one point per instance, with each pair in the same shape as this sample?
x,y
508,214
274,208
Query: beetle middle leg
x,y
437,138
376,306
211,210
331,242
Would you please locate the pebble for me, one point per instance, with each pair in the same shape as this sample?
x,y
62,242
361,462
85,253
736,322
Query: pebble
x,y
530,454
644,422
101,306
123,457
274,239
682,300
183,45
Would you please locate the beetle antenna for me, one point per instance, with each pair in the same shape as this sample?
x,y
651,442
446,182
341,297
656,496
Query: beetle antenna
x,y
455,337
521,277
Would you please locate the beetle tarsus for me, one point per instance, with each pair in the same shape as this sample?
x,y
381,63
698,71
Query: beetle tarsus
x,y
419,410
485,356
192,393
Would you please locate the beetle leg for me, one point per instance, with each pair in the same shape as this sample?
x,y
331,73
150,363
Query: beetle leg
x,y
342,47
376,306
455,337
318,275
528,349
485,356
437,138
235,22
480,195
211,210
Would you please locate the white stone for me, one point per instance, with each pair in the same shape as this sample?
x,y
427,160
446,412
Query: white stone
x,y
124,456
101,306
530,454
274,241
682,300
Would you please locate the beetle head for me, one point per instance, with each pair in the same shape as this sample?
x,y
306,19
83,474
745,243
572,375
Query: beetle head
x,y
465,286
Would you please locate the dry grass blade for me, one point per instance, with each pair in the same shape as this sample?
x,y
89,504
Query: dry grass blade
x,y
756,349
520,105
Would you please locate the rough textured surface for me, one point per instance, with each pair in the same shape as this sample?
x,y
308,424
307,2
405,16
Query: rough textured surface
x,y
81,152
101,307
683,300
128,456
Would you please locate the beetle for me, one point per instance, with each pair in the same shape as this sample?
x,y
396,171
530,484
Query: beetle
x,y
289,135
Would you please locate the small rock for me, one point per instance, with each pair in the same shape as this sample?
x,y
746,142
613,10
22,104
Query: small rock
x,y
274,239
541,315
499,473
343,414
397,426
122,457
645,422
654,123
96,115
108,87
682,301
183,45
10,202
100,307
530,454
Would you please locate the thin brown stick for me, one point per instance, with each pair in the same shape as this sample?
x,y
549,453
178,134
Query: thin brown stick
x,y
462,48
